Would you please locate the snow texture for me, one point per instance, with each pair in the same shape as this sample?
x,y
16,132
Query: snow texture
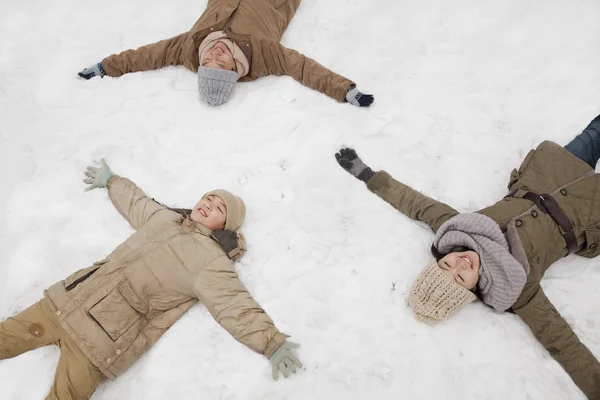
x,y
463,90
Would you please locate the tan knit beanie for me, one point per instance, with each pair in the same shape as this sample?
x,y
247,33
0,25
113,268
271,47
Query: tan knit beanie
x,y
435,296
236,209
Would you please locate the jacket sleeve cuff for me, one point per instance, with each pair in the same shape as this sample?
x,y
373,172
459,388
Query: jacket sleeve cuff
x,y
380,180
111,179
107,64
274,344
340,91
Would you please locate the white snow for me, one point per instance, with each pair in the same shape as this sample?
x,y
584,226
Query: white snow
x,y
463,90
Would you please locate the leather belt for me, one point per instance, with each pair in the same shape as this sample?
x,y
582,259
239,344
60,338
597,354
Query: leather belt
x,y
548,205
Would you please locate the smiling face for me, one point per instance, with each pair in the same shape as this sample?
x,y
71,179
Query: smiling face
x,y
463,267
210,211
219,57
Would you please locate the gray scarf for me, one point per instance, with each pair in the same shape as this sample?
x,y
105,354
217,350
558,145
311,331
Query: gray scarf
x,y
501,276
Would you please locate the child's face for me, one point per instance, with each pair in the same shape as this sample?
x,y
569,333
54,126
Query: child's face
x,y
463,267
210,211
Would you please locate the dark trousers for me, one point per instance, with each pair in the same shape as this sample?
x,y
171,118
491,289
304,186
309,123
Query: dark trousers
x,y
587,144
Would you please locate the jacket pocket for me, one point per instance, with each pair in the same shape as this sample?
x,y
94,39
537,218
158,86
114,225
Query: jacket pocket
x,y
75,279
132,298
591,248
115,313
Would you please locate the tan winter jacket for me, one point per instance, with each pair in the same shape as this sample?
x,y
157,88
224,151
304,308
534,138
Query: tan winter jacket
x,y
257,27
117,308
549,169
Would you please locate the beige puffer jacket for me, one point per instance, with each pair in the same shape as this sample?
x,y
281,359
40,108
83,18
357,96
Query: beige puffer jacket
x,y
117,308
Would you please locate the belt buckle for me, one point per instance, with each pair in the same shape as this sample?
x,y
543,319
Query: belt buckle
x,y
539,201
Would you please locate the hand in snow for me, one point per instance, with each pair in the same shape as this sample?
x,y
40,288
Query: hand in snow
x,y
358,99
94,70
284,360
97,177
349,160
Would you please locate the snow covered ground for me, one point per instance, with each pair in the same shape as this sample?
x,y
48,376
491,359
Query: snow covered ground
x,y
463,90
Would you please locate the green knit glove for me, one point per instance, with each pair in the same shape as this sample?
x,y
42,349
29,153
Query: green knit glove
x,y
97,177
284,360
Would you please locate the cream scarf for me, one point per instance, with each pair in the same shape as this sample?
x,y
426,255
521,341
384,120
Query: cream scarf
x,y
241,62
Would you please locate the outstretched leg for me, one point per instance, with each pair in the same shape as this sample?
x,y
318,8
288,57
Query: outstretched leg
x,y
587,144
76,377
29,330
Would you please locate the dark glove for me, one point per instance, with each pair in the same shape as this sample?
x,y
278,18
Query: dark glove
x,y
94,70
349,160
358,99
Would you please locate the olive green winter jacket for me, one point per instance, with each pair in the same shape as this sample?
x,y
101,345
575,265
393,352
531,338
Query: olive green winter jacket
x,y
549,169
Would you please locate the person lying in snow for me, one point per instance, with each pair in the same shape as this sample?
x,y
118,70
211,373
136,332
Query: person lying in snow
x,y
106,316
234,40
499,254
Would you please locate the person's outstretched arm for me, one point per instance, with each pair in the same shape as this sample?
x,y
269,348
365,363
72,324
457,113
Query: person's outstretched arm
x,y
152,56
280,60
219,288
129,200
402,197
555,334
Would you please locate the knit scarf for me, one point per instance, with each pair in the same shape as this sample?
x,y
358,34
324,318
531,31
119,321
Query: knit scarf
x,y
501,276
242,66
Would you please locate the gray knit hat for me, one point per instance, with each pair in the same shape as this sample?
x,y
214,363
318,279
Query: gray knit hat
x,y
216,85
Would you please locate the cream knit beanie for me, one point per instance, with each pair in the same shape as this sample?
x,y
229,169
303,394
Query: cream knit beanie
x,y
435,296
236,209
242,66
